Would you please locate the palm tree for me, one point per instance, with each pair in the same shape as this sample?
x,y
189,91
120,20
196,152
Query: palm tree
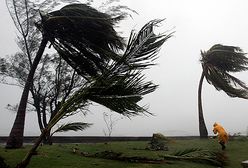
x,y
217,64
120,86
84,38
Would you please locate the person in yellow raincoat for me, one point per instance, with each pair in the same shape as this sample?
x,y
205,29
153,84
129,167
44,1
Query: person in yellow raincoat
x,y
222,135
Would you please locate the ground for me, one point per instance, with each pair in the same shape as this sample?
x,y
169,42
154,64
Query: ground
x,y
62,156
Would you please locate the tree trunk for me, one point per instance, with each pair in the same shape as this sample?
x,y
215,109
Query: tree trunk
x,y
24,163
15,139
27,158
47,140
202,126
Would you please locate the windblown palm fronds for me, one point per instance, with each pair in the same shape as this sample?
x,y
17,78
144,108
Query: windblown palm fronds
x,y
198,155
75,126
217,64
83,36
142,49
86,39
121,93
118,93
121,86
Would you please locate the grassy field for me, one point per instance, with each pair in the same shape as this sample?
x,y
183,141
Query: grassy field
x,y
62,156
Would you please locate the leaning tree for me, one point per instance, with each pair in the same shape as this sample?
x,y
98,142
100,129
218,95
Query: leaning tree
x,y
120,85
217,64
84,38
55,86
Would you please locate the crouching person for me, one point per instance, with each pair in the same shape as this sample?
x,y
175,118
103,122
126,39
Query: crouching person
x,y
222,135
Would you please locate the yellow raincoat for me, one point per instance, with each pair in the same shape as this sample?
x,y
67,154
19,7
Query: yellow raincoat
x,y
222,135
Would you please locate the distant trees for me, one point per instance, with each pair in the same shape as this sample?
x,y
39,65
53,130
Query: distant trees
x,y
24,15
53,83
217,64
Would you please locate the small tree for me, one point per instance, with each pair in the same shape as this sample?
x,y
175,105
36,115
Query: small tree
x,y
110,123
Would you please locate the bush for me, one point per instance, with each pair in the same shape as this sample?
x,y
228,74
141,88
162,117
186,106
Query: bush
x,y
158,142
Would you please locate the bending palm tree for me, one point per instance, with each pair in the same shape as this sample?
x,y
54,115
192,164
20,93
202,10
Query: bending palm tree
x,y
120,86
217,63
84,37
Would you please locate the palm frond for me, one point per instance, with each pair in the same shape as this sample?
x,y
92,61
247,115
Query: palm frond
x,y
231,85
186,152
226,58
198,155
218,61
142,48
121,93
75,126
118,93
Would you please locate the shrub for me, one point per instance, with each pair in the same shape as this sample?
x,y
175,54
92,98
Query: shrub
x,y
158,142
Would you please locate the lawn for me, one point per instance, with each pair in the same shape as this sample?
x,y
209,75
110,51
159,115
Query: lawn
x,y
62,156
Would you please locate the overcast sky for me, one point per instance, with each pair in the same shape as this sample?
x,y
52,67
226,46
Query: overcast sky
x,y
198,25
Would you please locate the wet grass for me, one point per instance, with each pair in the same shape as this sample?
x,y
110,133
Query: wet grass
x,y
62,156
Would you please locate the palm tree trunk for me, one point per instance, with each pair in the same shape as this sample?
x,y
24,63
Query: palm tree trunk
x,y
24,163
202,126
29,155
15,139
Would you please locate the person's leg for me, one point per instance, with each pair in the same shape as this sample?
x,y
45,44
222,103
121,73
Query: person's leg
x,y
222,145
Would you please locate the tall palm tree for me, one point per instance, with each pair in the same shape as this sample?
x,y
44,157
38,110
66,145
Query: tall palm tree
x,y
217,64
84,37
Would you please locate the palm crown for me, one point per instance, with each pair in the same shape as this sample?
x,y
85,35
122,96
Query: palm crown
x,y
86,39
83,36
217,64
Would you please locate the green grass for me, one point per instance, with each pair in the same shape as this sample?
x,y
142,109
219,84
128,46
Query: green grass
x,y
61,155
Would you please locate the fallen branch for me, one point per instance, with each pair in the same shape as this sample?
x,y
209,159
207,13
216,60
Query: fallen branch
x,y
119,156
199,156
192,154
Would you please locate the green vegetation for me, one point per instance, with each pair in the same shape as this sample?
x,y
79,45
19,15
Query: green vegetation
x,y
62,156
